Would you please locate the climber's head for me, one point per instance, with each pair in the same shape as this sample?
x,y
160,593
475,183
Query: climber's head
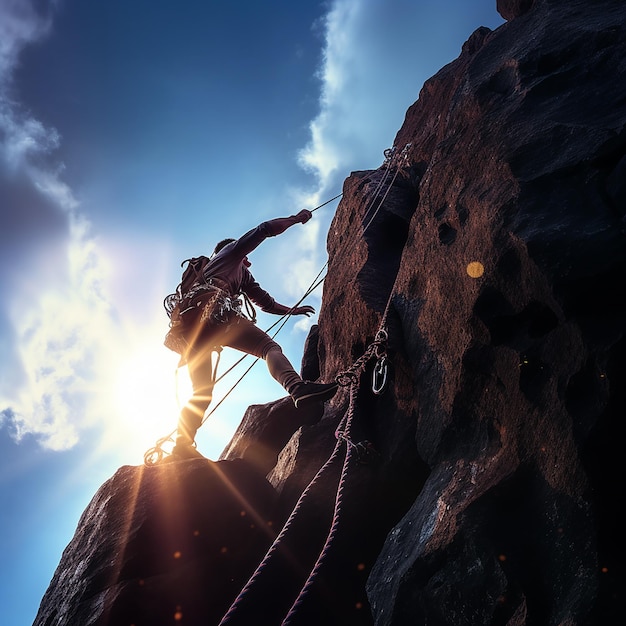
x,y
222,244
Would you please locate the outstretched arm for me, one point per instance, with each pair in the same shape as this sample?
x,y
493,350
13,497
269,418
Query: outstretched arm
x,y
281,224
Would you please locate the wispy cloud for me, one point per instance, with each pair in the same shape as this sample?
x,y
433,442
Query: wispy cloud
x,y
20,24
375,58
353,125
56,310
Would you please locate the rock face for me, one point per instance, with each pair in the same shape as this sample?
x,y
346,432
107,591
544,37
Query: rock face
x,y
485,263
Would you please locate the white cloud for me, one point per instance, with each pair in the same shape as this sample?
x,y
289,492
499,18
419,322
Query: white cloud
x,y
61,320
376,56
59,332
350,129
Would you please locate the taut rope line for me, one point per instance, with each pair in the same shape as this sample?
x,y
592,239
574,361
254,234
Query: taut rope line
x,y
350,377
155,454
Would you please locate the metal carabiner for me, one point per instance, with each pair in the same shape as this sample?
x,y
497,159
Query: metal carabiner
x,y
379,375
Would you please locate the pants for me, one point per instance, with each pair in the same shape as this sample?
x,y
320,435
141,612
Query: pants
x,y
241,334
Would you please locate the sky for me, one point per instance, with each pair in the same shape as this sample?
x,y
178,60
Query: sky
x,y
136,134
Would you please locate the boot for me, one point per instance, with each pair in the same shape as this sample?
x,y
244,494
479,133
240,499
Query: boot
x,y
302,392
184,450
306,393
188,425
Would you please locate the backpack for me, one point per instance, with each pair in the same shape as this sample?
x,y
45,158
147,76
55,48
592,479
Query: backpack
x,y
191,275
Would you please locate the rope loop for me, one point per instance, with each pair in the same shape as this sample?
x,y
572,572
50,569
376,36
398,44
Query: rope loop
x,y
378,350
155,455
345,379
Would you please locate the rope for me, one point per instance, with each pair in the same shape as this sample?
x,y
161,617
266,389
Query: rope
x,y
236,605
390,157
327,201
341,436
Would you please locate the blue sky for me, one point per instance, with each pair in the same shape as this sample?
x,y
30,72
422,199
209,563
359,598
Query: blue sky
x,y
134,135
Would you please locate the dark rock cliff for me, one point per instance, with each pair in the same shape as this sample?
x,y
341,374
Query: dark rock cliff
x,y
484,485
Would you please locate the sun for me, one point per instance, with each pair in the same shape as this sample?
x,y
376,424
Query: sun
x,y
148,391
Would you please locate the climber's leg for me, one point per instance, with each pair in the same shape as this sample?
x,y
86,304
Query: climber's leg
x,y
200,368
247,337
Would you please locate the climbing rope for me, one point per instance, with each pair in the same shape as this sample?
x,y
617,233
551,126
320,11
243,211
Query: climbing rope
x,y
155,454
327,201
392,157
343,436
351,378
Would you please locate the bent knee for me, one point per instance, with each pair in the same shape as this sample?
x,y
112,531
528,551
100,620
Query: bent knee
x,y
270,346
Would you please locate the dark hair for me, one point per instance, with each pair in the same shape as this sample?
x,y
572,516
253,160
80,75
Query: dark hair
x,y
222,244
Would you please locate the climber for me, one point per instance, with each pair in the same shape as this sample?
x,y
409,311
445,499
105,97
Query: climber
x,y
209,317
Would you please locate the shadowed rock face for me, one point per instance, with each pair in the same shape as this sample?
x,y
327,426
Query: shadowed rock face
x,y
491,247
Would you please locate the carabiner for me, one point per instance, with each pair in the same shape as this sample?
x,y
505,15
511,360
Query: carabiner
x,y
379,375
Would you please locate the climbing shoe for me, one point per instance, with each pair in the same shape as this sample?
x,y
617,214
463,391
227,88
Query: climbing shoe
x,y
307,393
184,451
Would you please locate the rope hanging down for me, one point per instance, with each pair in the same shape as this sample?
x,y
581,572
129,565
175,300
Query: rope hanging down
x,y
351,378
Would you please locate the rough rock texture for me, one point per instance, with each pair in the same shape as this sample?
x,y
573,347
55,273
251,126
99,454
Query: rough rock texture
x,y
167,544
491,246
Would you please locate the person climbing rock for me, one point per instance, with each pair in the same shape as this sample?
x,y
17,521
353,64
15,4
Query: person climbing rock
x,y
207,316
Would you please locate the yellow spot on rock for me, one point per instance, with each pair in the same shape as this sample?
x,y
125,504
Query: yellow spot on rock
x,y
475,269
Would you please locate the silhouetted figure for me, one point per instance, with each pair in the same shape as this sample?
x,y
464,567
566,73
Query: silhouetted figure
x,y
209,315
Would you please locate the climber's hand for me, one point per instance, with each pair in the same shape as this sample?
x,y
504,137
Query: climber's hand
x,y
303,310
304,216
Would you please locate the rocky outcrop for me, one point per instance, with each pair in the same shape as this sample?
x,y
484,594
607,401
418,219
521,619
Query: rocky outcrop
x,y
484,485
